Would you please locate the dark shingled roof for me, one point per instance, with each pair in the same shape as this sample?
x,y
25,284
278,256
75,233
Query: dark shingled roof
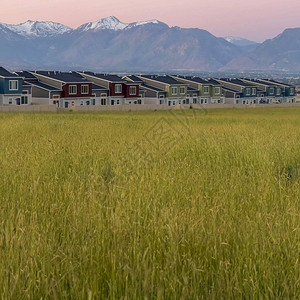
x,y
277,82
135,78
164,79
70,77
213,81
5,73
108,77
231,90
147,86
98,87
26,75
260,82
237,81
43,86
194,79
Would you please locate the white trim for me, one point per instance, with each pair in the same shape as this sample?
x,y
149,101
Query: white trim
x,y
71,86
132,87
118,85
13,81
87,90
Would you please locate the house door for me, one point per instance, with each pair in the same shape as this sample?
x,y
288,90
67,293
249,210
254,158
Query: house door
x,y
112,102
169,103
18,101
66,104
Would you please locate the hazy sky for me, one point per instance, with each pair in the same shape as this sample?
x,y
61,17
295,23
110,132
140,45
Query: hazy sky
x,y
255,20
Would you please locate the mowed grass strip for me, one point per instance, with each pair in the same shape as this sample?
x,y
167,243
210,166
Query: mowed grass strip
x,y
142,205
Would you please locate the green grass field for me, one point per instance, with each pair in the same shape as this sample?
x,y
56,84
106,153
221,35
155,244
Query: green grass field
x,y
187,204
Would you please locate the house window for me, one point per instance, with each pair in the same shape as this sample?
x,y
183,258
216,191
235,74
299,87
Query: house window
x,y
132,90
217,91
271,91
292,91
84,89
161,101
182,90
118,102
13,85
118,88
174,90
205,89
10,100
24,100
253,91
103,101
81,102
72,89
194,100
139,101
247,91
278,92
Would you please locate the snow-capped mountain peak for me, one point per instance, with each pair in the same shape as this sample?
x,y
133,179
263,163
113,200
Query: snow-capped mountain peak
x,y
141,23
38,29
111,23
239,41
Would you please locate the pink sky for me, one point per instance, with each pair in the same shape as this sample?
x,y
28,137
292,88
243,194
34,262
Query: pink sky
x,y
256,20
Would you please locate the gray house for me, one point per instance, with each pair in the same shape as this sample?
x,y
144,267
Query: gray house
x,y
12,91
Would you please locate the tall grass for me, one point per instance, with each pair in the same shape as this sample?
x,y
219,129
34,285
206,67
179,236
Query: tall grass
x,y
175,205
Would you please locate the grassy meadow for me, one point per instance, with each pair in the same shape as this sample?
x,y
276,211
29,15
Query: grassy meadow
x,y
194,204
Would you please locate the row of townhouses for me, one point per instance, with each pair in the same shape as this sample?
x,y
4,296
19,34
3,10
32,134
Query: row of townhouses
x,y
67,89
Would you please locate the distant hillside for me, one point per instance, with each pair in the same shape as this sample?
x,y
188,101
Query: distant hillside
x,y
280,53
111,45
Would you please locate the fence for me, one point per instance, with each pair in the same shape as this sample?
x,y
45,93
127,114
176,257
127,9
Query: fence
x,y
133,107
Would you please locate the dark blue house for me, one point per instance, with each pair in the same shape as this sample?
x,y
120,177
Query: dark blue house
x,y
11,88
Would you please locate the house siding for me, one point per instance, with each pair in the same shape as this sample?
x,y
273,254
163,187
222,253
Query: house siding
x,y
4,86
66,94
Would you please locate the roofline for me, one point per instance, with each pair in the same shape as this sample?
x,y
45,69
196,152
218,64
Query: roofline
x,y
101,78
152,89
43,87
19,77
189,80
162,81
47,77
252,85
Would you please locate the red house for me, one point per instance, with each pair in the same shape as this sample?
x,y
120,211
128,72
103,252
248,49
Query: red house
x,y
120,91
75,89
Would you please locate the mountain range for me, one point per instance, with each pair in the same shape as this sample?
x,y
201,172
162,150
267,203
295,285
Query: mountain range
x,y
111,45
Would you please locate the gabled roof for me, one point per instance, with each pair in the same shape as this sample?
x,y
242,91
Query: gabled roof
x,y
189,89
237,82
44,86
193,79
213,81
99,87
107,77
6,74
163,79
274,82
134,78
26,75
65,77
149,87
231,90
261,82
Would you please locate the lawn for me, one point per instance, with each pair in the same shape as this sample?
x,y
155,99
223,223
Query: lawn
x,y
193,204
